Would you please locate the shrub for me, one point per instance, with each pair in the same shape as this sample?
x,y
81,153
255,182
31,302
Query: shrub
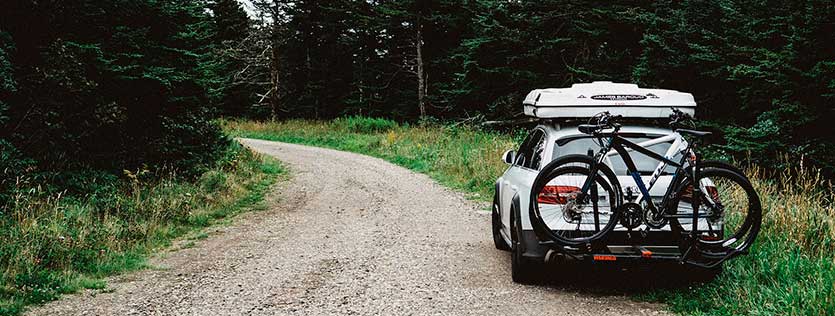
x,y
12,168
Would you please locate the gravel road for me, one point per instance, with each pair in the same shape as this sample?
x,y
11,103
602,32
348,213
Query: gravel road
x,y
347,235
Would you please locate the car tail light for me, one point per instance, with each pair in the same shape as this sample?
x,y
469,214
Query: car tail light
x,y
556,194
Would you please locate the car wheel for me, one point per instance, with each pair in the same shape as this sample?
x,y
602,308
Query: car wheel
x,y
496,222
521,268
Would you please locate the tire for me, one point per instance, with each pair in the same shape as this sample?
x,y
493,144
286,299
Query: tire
x,y
496,223
720,243
566,166
717,164
522,269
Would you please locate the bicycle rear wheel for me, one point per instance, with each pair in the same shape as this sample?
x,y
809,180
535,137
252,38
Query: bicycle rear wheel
x,y
727,207
569,218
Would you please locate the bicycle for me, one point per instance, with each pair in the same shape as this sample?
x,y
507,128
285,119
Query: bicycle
x,y
577,200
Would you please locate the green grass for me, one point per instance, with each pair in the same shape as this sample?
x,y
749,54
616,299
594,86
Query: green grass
x,y
445,153
791,268
790,271
54,244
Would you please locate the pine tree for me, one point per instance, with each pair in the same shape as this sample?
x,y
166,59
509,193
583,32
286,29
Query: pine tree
x,y
272,35
424,35
231,90
517,46
231,22
110,85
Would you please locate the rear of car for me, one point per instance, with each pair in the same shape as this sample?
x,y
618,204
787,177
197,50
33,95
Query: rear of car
x,y
557,135
548,142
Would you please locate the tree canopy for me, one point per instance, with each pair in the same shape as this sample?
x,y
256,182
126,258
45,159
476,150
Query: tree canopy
x,y
122,84
761,71
92,85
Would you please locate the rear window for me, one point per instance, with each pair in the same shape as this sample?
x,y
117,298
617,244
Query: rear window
x,y
644,164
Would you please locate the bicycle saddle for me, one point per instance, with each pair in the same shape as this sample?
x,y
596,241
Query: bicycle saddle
x,y
693,132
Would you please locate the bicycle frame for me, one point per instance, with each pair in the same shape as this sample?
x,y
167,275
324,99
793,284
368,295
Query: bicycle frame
x,y
618,145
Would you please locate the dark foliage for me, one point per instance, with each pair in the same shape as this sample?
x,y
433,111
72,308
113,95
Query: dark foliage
x,y
120,84
762,71
229,86
105,85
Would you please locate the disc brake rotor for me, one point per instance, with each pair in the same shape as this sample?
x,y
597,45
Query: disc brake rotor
x,y
572,212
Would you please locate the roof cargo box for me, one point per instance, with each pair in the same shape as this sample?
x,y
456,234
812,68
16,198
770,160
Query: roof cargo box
x,y
584,100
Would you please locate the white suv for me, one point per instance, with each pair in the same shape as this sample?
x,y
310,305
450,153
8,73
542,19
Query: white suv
x,y
512,228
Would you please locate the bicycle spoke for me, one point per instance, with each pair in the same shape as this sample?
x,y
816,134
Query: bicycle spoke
x,y
569,217
724,209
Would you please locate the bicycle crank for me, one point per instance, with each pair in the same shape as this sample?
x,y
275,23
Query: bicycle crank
x,y
631,215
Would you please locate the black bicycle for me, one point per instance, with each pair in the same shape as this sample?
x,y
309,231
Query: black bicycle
x,y
577,200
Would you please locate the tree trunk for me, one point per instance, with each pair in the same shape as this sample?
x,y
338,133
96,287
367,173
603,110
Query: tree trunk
x,y
275,72
421,73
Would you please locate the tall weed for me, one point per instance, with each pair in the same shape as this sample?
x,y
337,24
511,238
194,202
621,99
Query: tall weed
x,y
54,243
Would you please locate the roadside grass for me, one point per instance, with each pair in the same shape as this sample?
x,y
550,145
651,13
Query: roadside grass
x,y
54,244
789,271
445,153
791,268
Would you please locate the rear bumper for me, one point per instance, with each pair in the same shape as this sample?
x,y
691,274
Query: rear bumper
x,y
617,246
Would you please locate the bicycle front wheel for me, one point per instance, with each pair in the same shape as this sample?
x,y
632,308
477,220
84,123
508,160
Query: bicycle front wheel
x,y
727,209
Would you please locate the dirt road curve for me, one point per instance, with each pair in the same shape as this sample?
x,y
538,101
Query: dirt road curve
x,y
350,235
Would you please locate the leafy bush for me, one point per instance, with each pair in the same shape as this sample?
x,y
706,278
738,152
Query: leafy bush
x,y
13,167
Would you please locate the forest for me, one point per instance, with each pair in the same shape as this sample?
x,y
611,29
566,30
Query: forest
x,y
108,94
90,85
761,71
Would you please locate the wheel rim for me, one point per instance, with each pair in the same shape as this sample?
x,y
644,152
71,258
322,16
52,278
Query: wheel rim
x,y
728,211
569,217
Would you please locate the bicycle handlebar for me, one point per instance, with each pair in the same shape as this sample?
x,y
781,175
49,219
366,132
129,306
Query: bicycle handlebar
x,y
678,117
610,120
604,120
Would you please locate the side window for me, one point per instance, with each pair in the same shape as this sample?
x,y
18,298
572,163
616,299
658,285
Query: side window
x,y
523,149
538,148
530,151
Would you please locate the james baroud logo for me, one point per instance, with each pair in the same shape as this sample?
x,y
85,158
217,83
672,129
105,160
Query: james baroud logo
x,y
618,97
